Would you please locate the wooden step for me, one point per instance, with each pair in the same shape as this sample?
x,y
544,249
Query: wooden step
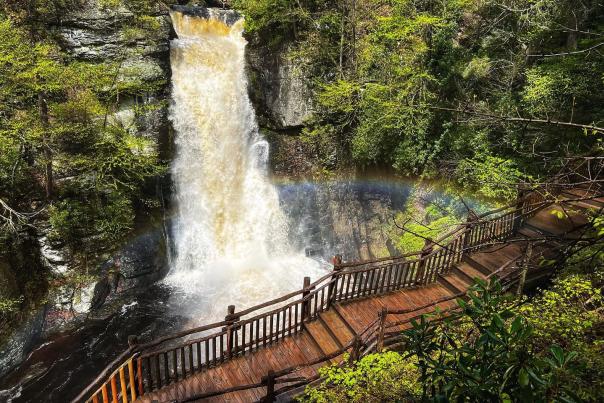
x,y
469,280
548,223
583,193
338,328
307,345
449,284
460,280
334,337
529,232
491,260
541,232
476,265
470,271
584,204
336,308
512,250
322,337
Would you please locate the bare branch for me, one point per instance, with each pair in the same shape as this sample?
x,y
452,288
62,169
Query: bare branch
x,y
568,53
521,119
12,220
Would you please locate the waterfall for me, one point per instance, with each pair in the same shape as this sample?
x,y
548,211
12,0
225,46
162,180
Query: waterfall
x,y
229,227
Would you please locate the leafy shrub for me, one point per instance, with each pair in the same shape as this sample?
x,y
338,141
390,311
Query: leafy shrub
x,y
374,378
481,354
9,305
492,177
569,308
489,351
106,219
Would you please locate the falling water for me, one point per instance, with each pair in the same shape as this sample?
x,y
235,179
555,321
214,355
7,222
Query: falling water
x,y
230,229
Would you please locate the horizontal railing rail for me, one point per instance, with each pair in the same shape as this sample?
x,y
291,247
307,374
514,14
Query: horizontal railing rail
x,y
194,350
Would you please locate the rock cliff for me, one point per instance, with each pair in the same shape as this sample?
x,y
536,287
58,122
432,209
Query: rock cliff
x,y
139,45
279,87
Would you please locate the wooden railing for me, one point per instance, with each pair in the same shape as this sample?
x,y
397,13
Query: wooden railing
x,y
378,335
144,368
121,385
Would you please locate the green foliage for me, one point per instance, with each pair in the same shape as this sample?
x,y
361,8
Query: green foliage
x,y
276,16
492,177
106,220
493,349
380,67
569,314
9,305
374,378
567,309
110,4
478,68
427,216
555,86
481,354
413,239
142,27
66,162
102,166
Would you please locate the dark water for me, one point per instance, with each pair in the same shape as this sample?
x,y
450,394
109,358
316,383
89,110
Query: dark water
x,y
63,365
325,218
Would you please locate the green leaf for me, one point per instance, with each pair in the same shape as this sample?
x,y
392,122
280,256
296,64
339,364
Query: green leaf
x,y
558,353
516,324
523,377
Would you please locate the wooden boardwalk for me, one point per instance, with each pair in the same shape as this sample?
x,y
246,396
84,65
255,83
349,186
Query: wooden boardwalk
x,y
348,311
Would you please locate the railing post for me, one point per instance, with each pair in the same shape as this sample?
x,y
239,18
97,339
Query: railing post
x,y
332,290
269,381
306,303
355,352
467,237
381,329
132,342
230,317
139,375
525,268
519,210
425,252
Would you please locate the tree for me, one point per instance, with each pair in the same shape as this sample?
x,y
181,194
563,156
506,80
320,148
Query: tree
x,y
54,123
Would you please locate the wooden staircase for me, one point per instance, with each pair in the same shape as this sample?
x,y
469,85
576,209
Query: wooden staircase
x,y
271,351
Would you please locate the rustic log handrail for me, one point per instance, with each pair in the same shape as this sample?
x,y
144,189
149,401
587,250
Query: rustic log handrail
x,y
357,343
377,338
238,333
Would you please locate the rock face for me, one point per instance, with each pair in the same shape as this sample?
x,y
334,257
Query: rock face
x,y
279,87
97,33
9,289
21,341
20,274
138,45
290,156
342,217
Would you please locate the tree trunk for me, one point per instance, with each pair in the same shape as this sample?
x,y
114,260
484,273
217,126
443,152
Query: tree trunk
x,y
572,38
354,36
525,268
43,108
341,67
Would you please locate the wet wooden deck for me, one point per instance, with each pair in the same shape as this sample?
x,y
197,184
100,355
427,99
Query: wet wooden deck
x,y
337,326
